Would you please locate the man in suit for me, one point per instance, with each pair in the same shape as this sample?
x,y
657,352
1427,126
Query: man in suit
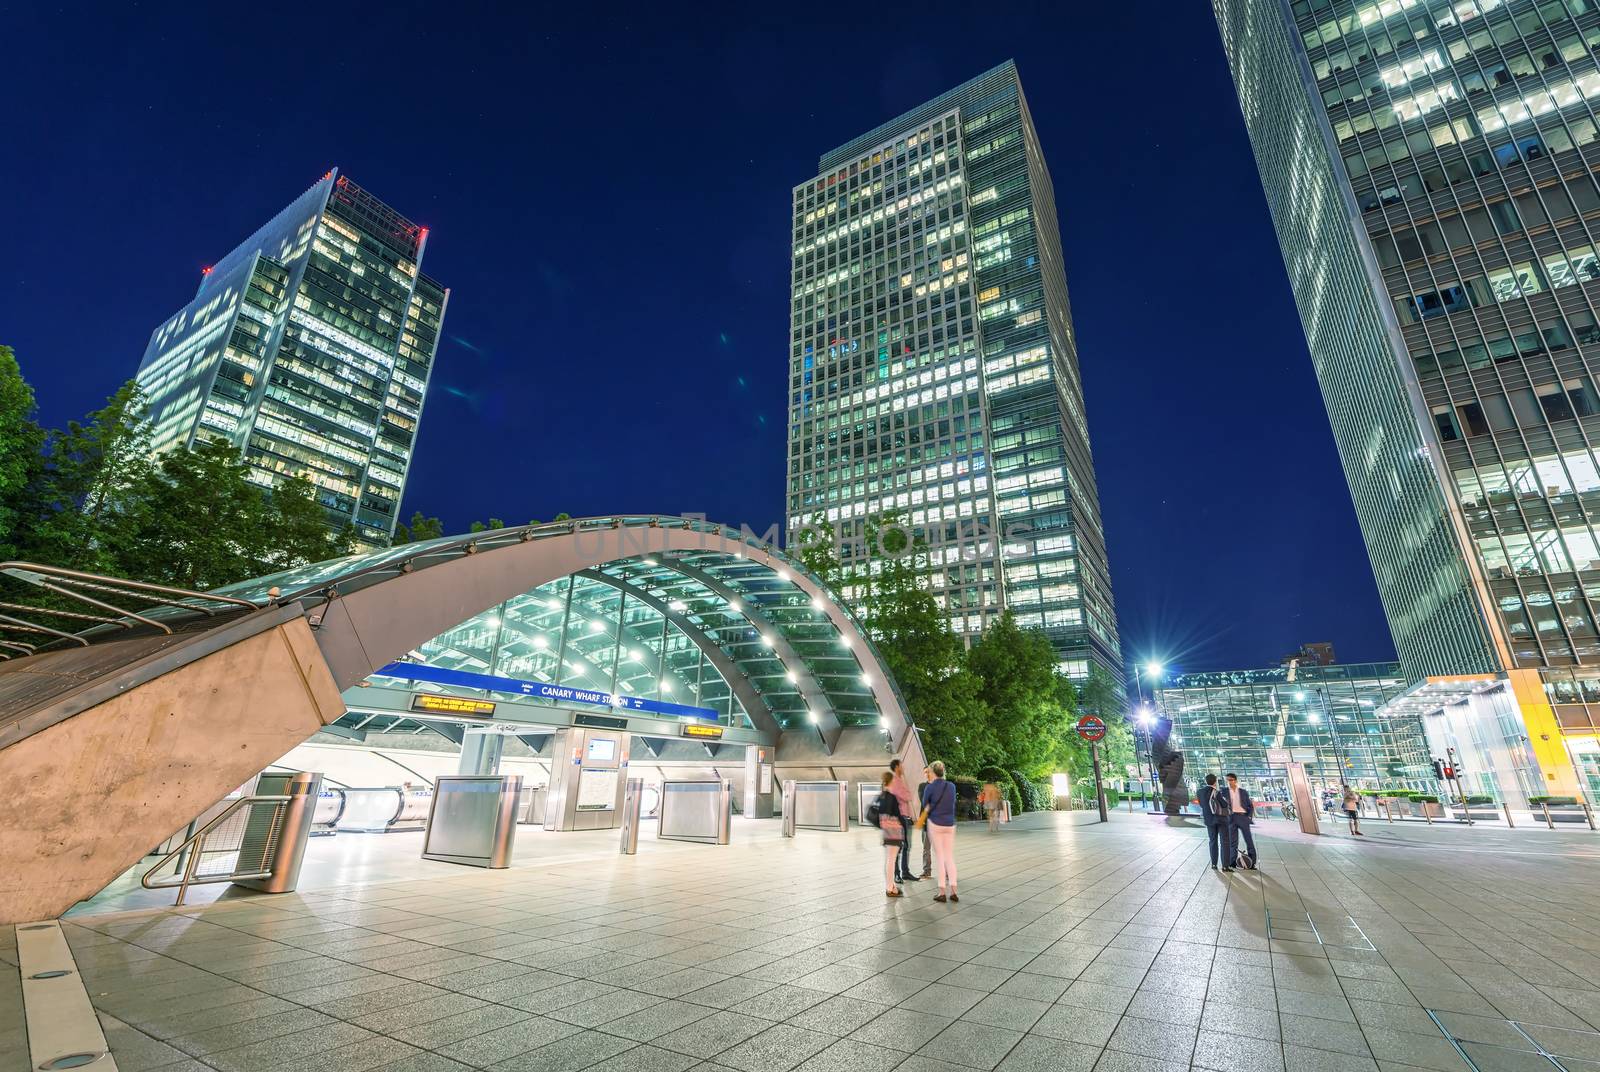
x,y
1211,810
1241,809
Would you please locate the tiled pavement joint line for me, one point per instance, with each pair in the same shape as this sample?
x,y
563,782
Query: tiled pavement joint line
x,y
1453,1040
60,1020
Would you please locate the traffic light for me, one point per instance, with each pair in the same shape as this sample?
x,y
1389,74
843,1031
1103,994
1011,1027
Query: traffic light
x,y
1438,769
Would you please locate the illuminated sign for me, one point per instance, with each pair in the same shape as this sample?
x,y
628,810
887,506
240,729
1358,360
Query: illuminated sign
x,y
695,729
453,705
438,675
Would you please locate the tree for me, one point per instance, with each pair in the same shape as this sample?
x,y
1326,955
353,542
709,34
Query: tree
x,y
197,521
1031,704
421,528
489,526
88,474
911,635
20,440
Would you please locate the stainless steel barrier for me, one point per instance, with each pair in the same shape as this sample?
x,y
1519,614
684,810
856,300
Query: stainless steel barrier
x,y
816,806
257,842
866,793
632,797
530,812
473,820
697,809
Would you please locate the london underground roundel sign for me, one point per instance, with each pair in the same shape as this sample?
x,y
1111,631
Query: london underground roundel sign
x,y
1091,728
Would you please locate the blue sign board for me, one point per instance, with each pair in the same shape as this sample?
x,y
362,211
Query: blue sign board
x,y
438,675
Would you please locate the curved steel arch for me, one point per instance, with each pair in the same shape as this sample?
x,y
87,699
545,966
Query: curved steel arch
x,y
811,690
755,705
401,602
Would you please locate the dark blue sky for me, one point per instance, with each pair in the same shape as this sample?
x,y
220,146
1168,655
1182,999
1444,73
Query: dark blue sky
x,y
608,201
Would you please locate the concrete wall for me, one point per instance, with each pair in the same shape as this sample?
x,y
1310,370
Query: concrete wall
x,y
90,795
861,755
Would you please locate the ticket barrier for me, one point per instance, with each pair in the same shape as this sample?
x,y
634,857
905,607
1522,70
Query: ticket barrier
x,y
866,794
384,809
815,806
530,811
696,809
472,819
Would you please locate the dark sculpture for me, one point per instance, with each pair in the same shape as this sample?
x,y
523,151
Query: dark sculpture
x,y
1168,764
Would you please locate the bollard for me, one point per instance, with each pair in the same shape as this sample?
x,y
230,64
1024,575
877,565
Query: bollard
x,y
1506,804
1588,813
1388,810
632,797
1130,805
1551,823
1427,812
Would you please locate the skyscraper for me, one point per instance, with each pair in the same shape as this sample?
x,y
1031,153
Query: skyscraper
x,y
934,367
308,347
1430,168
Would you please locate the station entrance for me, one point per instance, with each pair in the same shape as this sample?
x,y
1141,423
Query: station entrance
x,y
572,656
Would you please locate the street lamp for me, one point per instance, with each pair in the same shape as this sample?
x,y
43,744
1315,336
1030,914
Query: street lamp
x,y
1145,721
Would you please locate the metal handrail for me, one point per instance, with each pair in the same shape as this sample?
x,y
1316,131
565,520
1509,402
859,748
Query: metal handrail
x,y
197,841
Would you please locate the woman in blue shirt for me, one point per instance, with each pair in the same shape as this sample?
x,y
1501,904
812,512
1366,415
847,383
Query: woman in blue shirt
x,y
939,812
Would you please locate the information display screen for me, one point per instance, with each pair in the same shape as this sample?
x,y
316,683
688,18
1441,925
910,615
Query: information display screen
x,y
602,749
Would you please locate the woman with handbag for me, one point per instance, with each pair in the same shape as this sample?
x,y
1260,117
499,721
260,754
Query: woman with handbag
x,y
939,813
892,823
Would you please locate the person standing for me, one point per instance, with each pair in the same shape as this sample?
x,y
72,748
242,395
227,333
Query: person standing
x,y
922,804
1241,810
1352,809
940,816
989,797
892,824
902,793
1212,807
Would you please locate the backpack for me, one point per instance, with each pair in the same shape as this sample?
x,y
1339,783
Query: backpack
x,y
1221,810
874,813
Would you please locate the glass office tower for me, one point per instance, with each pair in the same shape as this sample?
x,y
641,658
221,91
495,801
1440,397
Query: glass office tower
x,y
1430,168
309,348
934,368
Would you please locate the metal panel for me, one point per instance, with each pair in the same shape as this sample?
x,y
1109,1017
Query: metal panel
x,y
696,810
473,820
820,805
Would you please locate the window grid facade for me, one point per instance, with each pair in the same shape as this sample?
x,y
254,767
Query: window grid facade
x,y
309,348
1328,715
934,368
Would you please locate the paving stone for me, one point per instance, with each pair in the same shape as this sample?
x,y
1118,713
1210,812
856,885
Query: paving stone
x,y
569,1054
972,1044
902,1029
710,1036
1068,1023
777,1049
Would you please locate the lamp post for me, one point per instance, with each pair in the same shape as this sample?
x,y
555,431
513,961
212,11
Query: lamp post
x,y
1146,720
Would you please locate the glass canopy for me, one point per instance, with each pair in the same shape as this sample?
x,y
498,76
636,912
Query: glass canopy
x,y
734,628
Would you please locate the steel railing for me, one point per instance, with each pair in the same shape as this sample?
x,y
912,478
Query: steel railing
x,y
230,848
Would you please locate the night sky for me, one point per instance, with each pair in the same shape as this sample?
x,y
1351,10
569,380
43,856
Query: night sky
x,y
608,201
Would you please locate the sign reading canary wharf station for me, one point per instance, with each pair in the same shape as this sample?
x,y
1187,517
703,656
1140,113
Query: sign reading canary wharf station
x,y
439,675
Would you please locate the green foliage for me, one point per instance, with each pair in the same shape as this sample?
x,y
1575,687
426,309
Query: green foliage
x,y
196,521
20,440
1000,708
93,497
421,528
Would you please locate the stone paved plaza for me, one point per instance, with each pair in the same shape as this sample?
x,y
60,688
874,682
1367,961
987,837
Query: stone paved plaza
x,y
1075,946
